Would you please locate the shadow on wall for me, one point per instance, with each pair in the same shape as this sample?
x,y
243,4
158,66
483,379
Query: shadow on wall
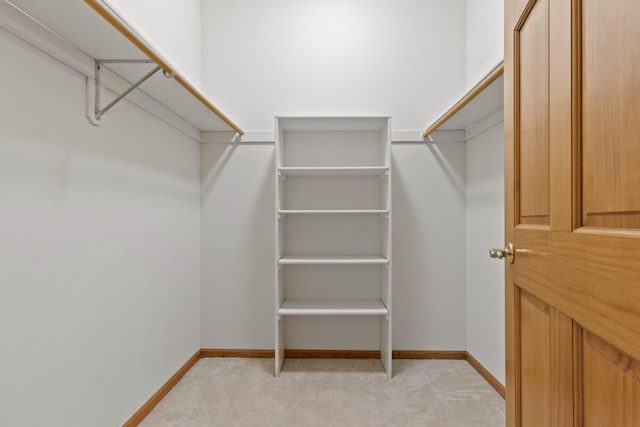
x,y
238,208
428,242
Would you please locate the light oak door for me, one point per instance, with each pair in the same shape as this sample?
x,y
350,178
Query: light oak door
x,y
572,159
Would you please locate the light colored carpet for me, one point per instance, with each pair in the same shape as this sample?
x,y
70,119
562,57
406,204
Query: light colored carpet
x,y
330,392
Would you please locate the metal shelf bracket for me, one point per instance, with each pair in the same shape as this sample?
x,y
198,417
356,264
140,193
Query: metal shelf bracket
x,y
99,112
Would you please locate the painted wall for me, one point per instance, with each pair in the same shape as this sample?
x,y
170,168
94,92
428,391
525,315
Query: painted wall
x,y
173,27
99,250
485,197
290,57
238,232
238,246
484,38
401,58
485,230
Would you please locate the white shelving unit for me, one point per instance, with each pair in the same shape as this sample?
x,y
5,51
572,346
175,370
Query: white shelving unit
x,y
333,235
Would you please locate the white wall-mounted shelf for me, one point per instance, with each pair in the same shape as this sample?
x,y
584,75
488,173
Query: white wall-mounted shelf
x,y
332,211
334,171
333,308
481,101
107,35
333,260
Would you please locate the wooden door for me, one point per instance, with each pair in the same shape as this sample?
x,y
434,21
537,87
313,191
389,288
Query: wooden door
x,y
572,159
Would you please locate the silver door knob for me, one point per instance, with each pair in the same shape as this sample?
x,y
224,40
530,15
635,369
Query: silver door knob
x,y
507,253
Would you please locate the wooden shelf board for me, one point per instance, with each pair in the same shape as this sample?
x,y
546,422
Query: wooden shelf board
x,y
331,211
334,171
483,99
332,260
333,308
101,36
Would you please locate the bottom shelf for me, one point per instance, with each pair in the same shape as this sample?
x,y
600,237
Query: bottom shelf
x,y
333,308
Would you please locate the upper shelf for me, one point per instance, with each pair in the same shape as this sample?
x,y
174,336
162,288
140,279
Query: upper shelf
x,y
107,35
484,98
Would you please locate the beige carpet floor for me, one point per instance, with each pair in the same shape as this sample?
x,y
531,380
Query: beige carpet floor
x,y
330,392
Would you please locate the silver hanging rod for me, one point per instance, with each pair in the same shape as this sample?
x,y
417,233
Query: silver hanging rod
x,y
100,112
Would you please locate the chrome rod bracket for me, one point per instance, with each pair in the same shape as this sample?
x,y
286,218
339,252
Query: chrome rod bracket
x,y
99,112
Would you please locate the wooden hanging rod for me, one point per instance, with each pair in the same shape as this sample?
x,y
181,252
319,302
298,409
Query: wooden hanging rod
x,y
141,44
475,91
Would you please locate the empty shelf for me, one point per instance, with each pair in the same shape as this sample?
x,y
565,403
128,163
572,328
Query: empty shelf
x,y
76,35
331,211
368,259
484,98
334,171
333,308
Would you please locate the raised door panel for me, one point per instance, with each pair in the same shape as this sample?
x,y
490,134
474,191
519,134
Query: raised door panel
x,y
532,114
546,361
534,361
611,385
610,79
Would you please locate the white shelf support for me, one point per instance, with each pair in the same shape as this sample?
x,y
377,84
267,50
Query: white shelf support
x,y
99,112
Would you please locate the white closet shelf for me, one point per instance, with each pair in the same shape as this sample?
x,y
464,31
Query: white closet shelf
x,y
77,35
333,308
486,97
107,11
331,211
333,260
334,171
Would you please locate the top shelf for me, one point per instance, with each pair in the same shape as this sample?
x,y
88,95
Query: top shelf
x,y
107,35
484,98
332,124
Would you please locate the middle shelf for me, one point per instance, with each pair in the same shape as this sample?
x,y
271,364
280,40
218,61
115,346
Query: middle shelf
x,y
331,211
333,308
333,260
333,171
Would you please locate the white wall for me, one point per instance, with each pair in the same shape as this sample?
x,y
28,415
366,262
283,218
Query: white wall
x,y
401,58
484,38
485,230
99,250
238,205
428,242
485,197
291,57
173,27
238,246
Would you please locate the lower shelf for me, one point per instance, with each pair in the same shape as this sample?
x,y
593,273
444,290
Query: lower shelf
x,y
369,259
333,308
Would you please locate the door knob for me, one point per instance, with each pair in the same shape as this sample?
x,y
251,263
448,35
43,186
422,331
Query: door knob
x,y
509,253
